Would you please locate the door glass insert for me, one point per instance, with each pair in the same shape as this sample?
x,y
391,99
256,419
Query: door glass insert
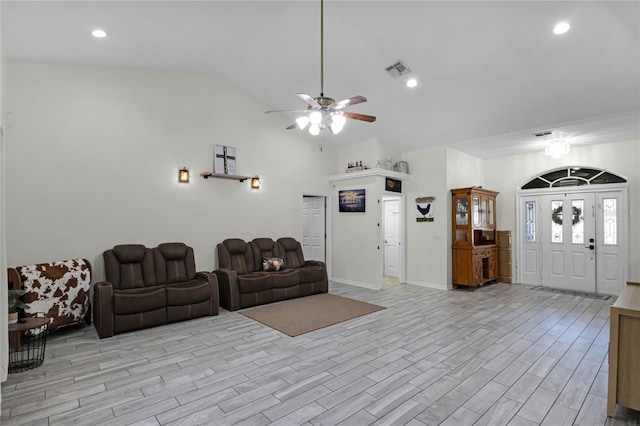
x,y
530,221
556,221
577,222
610,221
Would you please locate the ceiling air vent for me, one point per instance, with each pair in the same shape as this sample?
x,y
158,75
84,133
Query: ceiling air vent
x,y
541,134
398,68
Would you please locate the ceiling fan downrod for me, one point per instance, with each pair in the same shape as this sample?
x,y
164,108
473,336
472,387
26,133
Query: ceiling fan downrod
x,y
321,48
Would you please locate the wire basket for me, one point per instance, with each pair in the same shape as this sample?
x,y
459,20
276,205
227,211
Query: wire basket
x,y
27,343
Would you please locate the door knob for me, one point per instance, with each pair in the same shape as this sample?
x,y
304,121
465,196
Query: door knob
x,y
591,247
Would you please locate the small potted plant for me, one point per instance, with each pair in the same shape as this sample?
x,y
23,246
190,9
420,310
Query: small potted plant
x,y
15,303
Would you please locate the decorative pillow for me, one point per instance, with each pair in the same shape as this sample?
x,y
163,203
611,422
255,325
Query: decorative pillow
x,y
272,264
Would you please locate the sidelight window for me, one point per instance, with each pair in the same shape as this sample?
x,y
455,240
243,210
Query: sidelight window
x,y
610,221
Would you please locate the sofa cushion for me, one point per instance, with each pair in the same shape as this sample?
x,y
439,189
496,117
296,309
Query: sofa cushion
x,y
283,279
175,263
293,255
188,292
236,254
173,251
133,301
264,248
254,282
130,253
129,266
270,264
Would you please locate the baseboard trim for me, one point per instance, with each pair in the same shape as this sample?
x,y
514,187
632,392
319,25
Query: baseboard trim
x,y
429,285
355,283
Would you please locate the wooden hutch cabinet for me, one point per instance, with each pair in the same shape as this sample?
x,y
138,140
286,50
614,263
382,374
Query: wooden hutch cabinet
x,y
475,257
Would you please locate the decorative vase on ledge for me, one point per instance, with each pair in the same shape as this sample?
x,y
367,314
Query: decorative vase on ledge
x,y
13,318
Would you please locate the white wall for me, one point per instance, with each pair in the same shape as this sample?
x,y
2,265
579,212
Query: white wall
x,y
356,236
93,155
505,174
427,242
369,152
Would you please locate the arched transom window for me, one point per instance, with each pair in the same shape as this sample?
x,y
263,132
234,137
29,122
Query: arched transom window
x,y
573,176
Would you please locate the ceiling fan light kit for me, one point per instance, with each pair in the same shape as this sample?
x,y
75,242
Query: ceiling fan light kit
x,y
324,112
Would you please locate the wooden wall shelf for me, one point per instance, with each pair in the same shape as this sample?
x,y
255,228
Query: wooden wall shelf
x,y
207,175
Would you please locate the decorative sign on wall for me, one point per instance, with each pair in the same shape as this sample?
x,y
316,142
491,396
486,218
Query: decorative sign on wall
x,y
224,160
352,200
425,209
393,185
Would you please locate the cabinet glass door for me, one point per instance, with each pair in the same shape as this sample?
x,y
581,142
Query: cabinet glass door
x,y
483,211
490,213
462,211
476,211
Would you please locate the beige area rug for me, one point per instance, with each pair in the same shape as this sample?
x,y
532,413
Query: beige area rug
x,y
298,316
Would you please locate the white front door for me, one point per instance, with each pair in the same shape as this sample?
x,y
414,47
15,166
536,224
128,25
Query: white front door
x,y
391,211
568,235
313,228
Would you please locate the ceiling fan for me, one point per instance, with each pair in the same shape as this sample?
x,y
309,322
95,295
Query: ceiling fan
x,y
324,112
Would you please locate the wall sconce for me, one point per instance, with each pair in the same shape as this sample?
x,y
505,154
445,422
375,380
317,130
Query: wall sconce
x,y
255,182
183,175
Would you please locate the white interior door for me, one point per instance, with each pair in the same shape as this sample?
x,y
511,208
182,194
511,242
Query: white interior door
x,y
391,211
568,241
610,243
313,228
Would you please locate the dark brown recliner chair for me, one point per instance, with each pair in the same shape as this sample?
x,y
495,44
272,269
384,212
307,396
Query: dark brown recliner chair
x,y
313,273
148,287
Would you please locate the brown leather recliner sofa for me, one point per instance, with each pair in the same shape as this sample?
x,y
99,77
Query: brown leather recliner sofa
x,y
146,287
244,282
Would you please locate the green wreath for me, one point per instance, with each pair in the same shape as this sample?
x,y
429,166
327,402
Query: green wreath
x,y
576,213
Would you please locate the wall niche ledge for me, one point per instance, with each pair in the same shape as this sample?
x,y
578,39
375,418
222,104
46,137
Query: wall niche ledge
x,y
369,172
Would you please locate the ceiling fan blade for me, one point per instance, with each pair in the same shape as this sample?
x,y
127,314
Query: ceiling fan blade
x,y
309,100
287,110
362,117
292,126
348,102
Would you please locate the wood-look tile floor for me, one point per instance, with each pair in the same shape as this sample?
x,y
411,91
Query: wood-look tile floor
x,y
502,355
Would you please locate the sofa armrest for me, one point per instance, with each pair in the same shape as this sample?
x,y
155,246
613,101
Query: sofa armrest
x,y
229,292
212,279
103,316
315,263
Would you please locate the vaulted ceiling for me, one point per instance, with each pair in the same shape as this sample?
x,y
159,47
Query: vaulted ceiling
x,y
490,73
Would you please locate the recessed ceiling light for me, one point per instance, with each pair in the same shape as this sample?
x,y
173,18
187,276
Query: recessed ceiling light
x,y
561,28
98,33
412,82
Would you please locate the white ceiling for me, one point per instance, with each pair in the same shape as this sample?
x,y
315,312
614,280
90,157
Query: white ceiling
x,y
490,73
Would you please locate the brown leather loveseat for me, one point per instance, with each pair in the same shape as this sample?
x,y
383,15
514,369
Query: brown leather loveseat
x,y
246,277
147,287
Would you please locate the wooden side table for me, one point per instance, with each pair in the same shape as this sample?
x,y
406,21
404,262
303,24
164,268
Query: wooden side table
x,y
27,343
624,350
